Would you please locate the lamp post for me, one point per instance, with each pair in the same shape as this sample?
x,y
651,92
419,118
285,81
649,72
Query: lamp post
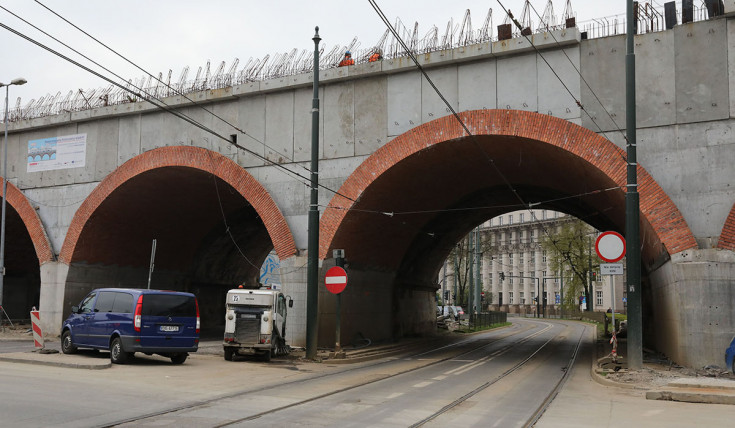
x,y
18,81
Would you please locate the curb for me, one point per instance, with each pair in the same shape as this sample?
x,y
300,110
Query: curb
x,y
56,363
688,396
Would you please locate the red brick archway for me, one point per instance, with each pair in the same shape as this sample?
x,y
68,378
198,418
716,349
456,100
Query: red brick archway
x,y
727,237
192,157
656,207
33,224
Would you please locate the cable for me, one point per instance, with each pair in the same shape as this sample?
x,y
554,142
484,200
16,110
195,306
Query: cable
x,y
159,103
456,116
581,106
159,80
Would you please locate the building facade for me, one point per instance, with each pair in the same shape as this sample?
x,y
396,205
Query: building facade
x,y
516,269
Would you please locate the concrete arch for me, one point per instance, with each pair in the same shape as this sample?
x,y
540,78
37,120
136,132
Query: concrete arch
x,y
32,221
192,157
727,237
657,209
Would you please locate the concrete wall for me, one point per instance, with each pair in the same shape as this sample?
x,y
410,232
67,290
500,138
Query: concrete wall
x,y
693,317
685,105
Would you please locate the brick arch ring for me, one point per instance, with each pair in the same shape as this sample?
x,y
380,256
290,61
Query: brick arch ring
x,y
727,236
32,222
192,157
656,207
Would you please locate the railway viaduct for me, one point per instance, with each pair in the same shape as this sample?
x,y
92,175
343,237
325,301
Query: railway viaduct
x,y
403,182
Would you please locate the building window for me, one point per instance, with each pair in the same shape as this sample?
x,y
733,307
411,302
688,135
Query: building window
x,y
530,233
510,219
520,258
543,274
543,214
520,217
510,297
490,280
510,258
523,298
599,298
500,221
533,297
543,257
521,275
510,280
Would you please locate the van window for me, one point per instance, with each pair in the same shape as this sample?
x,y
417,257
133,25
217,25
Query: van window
x,y
123,303
104,301
168,305
86,305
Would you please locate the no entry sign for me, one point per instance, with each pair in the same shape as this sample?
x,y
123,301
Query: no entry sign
x,y
610,246
335,280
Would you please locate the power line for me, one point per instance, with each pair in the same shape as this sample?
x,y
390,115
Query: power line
x,y
154,77
158,103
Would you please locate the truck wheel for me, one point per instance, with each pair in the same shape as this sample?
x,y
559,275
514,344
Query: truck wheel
x,y
266,356
67,346
179,358
117,354
228,354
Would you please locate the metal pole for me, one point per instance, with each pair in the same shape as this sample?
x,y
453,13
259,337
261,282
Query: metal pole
x,y
632,207
612,295
471,279
561,288
338,310
312,291
478,300
444,288
589,275
5,196
538,297
153,258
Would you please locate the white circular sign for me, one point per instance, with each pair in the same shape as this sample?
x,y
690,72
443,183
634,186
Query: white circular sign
x,y
610,246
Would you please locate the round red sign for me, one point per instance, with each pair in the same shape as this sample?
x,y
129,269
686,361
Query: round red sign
x,y
335,280
610,246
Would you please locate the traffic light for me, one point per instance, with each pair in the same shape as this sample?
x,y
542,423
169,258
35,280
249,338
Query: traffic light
x,y
502,276
446,295
482,296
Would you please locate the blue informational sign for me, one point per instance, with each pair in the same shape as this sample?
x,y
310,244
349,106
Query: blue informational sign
x,y
625,300
557,299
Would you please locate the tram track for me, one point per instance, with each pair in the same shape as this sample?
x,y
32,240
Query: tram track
x,y
474,345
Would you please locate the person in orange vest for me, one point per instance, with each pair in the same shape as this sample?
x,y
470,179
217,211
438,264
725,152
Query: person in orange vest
x,y
377,56
347,60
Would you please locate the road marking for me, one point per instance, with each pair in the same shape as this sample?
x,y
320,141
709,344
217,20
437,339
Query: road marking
x,y
439,378
394,395
423,384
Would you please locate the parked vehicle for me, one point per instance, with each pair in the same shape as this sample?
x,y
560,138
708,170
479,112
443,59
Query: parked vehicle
x,y
126,320
255,323
730,356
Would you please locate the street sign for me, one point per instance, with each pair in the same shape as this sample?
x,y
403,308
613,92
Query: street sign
x,y
610,246
611,268
335,280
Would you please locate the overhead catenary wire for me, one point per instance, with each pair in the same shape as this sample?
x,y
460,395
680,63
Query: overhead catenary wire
x,y
163,106
459,119
178,92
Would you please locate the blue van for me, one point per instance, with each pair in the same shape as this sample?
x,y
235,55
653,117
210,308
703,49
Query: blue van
x,y
127,320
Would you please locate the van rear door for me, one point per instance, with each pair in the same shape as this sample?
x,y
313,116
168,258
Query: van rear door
x,y
168,320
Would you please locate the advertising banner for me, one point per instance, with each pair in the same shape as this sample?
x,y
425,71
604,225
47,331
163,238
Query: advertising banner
x,y
64,152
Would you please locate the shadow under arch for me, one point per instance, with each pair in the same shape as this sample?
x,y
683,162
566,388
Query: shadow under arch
x,y
32,222
192,157
663,229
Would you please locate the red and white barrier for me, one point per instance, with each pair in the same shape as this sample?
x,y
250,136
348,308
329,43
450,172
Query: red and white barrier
x,y
37,333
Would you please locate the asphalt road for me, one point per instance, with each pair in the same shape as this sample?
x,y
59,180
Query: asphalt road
x,y
509,371
498,378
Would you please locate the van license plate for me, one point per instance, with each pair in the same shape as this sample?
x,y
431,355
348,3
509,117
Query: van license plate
x,y
169,328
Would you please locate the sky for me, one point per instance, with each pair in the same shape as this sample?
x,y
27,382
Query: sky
x,y
163,35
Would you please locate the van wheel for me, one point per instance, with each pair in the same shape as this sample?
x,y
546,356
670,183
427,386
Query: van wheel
x,y
229,354
117,354
67,346
179,358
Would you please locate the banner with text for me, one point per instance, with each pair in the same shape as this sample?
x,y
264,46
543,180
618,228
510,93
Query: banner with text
x,y
64,152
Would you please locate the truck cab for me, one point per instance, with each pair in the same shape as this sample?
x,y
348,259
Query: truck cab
x,y
255,323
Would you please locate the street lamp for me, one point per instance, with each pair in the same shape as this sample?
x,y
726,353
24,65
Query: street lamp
x,y
18,81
